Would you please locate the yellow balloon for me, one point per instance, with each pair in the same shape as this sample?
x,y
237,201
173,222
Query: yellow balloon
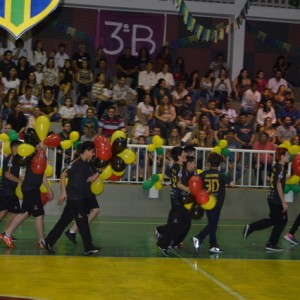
x,y
42,127
188,206
6,148
157,141
97,186
74,136
217,149
67,144
293,180
49,171
210,204
107,172
282,146
223,144
43,188
199,171
151,148
0,172
19,191
4,137
128,156
161,177
294,149
25,150
158,185
118,134
287,144
118,173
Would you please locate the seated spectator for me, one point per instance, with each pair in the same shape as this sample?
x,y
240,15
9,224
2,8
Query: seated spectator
x,y
39,74
10,81
84,78
231,112
32,118
140,127
10,99
79,57
222,128
36,88
107,99
269,129
175,138
51,76
282,65
244,132
110,123
279,97
193,85
61,57
285,131
178,95
49,106
234,168
204,125
167,76
200,139
179,69
67,111
103,68
6,64
17,119
89,133
275,82
251,100
38,55
80,109
241,84
295,140
222,87
207,86
89,118
66,77
125,99
23,70
266,111
19,50
289,110
212,112
145,110
160,91
218,64
165,117
98,89
63,157
263,161
139,165
187,119
100,55
164,57
266,95
28,101
260,80
143,59
146,81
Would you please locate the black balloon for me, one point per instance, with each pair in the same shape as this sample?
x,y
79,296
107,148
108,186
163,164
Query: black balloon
x,y
118,145
99,163
187,199
24,160
117,164
196,212
31,137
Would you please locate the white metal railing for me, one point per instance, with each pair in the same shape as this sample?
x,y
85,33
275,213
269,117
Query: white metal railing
x,y
241,165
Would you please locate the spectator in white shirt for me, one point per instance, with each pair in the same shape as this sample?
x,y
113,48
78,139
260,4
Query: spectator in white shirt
x,y
28,101
39,74
146,81
250,100
167,76
275,82
19,51
61,56
67,111
231,112
11,81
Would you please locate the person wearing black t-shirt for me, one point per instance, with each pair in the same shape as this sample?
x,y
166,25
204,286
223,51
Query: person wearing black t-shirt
x,y
31,204
178,219
9,202
278,207
76,193
214,182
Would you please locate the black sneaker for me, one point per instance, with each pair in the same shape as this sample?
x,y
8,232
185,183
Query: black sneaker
x,y
47,246
71,236
157,234
92,251
246,231
272,248
164,251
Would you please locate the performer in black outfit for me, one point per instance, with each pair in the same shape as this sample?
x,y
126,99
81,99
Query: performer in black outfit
x,y
80,176
278,207
214,182
179,219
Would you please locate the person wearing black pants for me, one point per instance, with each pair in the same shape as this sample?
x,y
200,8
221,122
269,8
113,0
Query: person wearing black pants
x,y
278,207
214,182
80,176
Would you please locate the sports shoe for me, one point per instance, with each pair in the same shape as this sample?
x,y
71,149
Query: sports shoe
x,y
272,248
92,251
7,240
47,246
291,238
14,239
246,231
215,250
40,245
157,234
163,251
71,236
196,243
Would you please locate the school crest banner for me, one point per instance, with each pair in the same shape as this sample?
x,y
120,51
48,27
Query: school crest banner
x,y
18,16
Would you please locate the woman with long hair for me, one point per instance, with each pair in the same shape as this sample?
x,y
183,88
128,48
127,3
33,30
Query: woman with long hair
x,y
38,54
261,81
160,90
267,110
241,84
51,76
11,81
66,77
84,78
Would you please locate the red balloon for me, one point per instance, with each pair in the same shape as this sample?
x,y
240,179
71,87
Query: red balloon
x,y
195,185
102,142
296,161
39,162
202,197
114,177
104,154
45,198
53,140
297,170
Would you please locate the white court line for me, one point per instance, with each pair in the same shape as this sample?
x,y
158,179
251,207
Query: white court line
x,y
210,277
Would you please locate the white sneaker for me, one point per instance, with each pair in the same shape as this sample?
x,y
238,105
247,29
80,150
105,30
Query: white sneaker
x,y
215,250
196,244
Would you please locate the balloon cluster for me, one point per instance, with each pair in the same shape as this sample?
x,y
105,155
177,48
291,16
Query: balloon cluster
x,y
155,180
202,197
7,139
292,182
112,158
157,143
221,148
72,141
